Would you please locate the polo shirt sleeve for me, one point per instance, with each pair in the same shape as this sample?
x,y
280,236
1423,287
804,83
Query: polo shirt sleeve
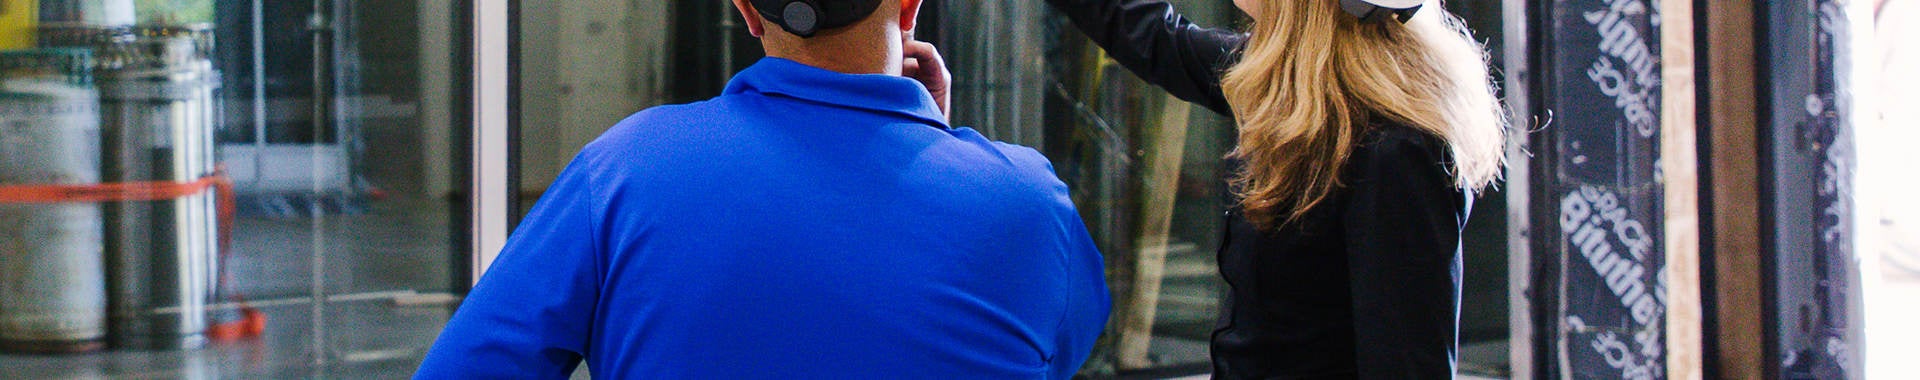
x,y
1087,301
1087,304
531,314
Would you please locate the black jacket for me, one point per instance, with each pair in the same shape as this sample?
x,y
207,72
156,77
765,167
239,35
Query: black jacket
x,y
1367,284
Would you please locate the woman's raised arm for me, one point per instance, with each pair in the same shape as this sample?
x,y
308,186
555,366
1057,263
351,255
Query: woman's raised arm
x,y
1159,45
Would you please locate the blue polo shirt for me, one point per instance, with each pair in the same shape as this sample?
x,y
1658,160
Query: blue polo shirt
x,y
804,224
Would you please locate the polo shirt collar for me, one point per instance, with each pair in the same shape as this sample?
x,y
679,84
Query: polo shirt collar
x,y
873,92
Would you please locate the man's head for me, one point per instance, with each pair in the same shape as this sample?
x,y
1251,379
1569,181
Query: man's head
x,y
854,36
804,17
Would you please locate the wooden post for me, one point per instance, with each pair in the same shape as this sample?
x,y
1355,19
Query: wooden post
x,y
1732,222
1518,85
1680,171
1166,148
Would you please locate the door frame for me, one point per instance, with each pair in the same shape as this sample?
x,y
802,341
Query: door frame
x,y
491,186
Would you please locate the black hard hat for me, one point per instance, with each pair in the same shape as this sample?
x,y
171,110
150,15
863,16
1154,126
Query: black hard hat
x,y
806,17
1381,10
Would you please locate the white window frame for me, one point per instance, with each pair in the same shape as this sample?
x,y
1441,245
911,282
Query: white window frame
x,y
491,185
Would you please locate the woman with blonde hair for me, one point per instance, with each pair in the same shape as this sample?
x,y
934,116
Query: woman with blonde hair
x,y
1365,129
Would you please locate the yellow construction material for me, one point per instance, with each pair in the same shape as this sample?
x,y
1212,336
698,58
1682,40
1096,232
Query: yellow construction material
x,y
17,21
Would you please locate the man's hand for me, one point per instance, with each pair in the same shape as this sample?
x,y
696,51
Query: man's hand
x,y
923,63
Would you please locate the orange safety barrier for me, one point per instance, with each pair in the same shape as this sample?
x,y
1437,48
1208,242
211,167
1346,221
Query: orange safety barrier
x,y
252,321
113,192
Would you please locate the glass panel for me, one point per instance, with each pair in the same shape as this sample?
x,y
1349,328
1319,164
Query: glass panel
x,y
583,66
586,64
1484,329
1144,169
242,188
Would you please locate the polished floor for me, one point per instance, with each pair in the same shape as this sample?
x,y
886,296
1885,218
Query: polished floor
x,y
361,340
382,274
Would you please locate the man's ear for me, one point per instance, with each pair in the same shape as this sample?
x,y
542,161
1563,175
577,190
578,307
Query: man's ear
x,y
909,14
754,24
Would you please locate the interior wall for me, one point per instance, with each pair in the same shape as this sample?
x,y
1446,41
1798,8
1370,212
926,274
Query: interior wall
x,y
539,78
436,98
584,65
387,100
386,65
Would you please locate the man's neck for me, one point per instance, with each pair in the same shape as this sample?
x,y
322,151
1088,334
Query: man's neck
x,y
848,51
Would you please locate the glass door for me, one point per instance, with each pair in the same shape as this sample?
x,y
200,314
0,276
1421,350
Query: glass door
x,y
583,65
1144,169
237,188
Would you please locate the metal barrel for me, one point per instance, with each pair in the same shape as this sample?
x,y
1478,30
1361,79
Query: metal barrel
x,y
52,290
158,113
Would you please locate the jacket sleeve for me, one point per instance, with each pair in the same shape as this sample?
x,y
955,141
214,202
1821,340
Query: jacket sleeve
x,y
1403,238
531,315
1159,45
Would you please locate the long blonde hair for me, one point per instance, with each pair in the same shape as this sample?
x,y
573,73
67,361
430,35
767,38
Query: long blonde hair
x,y
1313,78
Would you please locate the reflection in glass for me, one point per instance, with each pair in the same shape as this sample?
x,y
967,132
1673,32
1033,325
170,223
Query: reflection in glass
x,y
1144,168
52,289
158,116
209,188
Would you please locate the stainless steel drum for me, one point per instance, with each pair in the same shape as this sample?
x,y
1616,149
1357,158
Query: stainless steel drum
x,y
158,113
52,296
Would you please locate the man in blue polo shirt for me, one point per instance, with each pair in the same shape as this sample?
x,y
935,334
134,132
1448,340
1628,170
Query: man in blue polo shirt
x,y
817,220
